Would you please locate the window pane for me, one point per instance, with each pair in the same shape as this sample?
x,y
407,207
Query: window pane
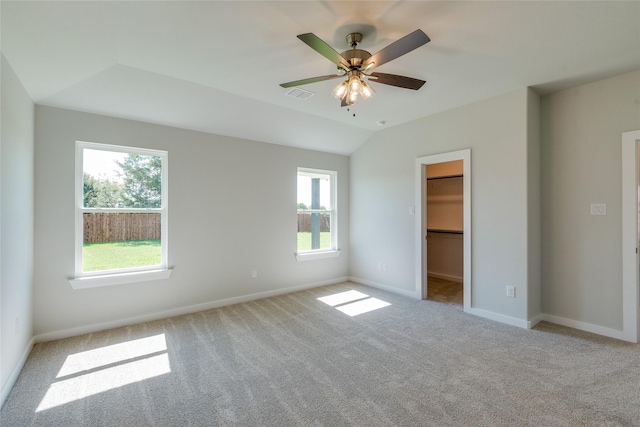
x,y
121,180
310,185
315,194
121,240
308,240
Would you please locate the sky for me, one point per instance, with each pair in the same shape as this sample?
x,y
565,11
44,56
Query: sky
x,y
304,191
101,163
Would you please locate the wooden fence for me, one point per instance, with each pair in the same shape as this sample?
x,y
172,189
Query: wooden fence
x,y
304,222
115,227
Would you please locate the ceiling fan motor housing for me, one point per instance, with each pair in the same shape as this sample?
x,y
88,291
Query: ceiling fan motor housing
x,y
356,57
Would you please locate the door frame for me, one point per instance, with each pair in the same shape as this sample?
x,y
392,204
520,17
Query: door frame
x,y
421,220
630,217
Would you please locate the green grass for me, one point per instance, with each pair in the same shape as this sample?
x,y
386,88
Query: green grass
x,y
304,240
139,253
125,254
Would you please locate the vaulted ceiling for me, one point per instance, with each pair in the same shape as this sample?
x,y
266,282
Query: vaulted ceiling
x,y
215,66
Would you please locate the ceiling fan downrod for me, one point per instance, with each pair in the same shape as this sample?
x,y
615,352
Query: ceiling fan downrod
x,y
354,39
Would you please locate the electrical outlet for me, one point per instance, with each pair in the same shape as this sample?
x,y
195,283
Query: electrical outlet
x,y
384,267
254,273
511,291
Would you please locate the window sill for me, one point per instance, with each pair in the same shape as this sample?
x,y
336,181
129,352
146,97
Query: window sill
x,y
310,256
119,278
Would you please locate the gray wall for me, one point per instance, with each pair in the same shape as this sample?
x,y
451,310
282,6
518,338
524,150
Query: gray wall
x,y
16,225
581,164
534,220
232,208
382,190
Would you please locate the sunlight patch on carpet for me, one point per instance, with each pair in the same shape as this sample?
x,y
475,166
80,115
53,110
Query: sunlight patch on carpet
x,y
363,306
342,298
353,303
95,371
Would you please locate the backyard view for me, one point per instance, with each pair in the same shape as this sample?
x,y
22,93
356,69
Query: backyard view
x,y
121,222
123,254
304,240
314,210
122,210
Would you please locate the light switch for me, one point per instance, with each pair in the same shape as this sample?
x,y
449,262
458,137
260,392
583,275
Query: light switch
x,y
598,209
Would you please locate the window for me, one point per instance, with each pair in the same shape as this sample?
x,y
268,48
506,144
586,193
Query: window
x,y
121,214
317,214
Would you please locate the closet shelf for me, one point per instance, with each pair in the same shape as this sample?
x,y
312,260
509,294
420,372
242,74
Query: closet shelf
x,y
437,230
444,177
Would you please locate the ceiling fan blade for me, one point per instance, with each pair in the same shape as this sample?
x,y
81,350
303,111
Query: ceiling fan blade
x,y
398,81
311,80
398,48
317,44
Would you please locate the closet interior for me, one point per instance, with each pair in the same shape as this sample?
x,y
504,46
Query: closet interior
x,y
445,229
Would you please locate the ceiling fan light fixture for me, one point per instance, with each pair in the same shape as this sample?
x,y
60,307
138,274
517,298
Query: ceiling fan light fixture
x,y
341,90
352,98
366,91
355,84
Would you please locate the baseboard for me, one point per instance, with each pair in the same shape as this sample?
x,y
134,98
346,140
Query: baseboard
x,y
15,373
513,321
535,320
445,277
587,327
66,333
403,292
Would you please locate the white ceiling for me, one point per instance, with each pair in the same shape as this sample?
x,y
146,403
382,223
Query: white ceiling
x,y
215,66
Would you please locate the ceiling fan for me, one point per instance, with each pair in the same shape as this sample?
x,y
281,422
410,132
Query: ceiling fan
x,y
357,63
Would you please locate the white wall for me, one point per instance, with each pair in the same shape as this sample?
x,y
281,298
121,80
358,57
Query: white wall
x,y
581,164
232,208
16,226
382,181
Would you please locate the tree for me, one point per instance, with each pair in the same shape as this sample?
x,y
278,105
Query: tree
x,y
141,181
101,193
90,191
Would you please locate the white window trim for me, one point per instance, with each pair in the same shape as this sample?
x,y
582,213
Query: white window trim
x,y
83,280
87,282
317,254
314,254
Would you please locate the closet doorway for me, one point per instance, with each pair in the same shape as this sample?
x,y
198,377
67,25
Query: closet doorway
x,y
443,227
445,231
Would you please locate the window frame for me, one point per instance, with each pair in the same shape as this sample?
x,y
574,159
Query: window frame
x,y
333,250
88,279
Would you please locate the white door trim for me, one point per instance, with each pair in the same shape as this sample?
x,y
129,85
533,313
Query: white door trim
x,y
421,224
630,294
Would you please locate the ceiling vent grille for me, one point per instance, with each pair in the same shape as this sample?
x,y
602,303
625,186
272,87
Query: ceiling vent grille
x,y
298,93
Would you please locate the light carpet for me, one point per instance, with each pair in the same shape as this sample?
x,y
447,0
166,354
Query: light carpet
x,y
295,360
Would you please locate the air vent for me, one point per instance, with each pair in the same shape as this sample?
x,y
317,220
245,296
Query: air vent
x,y
298,93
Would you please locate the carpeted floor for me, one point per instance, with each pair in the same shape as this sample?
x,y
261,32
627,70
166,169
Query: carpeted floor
x,y
442,290
296,360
